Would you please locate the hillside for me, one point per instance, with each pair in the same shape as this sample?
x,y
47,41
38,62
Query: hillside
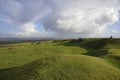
x,y
83,59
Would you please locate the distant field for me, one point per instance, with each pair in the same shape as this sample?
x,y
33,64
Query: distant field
x,y
17,40
83,59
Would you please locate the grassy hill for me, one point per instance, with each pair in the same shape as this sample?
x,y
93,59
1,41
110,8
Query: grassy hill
x,y
87,59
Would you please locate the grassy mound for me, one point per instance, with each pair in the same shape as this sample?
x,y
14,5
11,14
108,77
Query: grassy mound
x,y
66,67
87,59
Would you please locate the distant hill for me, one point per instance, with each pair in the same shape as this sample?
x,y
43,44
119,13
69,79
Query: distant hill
x,y
19,40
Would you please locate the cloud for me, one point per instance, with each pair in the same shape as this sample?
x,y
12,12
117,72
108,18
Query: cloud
x,y
110,16
6,35
60,18
22,11
22,14
78,16
82,17
27,30
114,31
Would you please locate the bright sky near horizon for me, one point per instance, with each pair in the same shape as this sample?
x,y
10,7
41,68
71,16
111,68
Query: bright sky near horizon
x,y
59,18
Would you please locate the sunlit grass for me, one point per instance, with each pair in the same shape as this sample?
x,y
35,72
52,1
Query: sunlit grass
x,y
90,59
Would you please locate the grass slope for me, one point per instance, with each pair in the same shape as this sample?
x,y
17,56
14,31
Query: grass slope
x,y
89,59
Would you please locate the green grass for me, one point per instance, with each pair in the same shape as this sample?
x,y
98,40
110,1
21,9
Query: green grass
x,y
89,59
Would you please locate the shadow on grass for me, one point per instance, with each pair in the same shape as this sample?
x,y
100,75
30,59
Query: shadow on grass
x,y
26,71
94,47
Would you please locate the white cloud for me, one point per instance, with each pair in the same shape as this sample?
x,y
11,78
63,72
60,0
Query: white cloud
x,y
109,16
82,16
66,18
27,30
115,32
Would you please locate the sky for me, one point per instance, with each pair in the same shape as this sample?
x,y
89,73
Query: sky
x,y
59,18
